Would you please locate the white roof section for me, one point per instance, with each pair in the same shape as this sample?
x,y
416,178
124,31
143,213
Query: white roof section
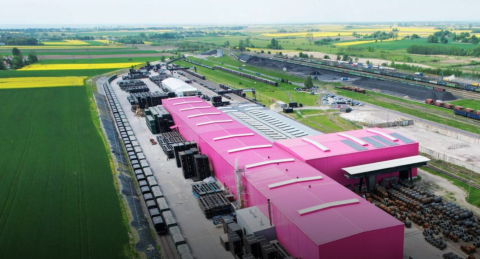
x,y
317,144
177,85
248,148
270,162
359,141
360,169
390,137
327,205
204,114
213,122
233,136
295,180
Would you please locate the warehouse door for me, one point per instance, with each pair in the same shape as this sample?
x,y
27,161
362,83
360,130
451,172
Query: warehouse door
x,y
403,174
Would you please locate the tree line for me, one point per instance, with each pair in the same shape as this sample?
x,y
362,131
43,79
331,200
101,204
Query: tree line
x,y
21,41
443,50
18,61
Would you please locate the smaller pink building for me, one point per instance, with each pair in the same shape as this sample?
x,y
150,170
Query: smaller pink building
x,y
330,153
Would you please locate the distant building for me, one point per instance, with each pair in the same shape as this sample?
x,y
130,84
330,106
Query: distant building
x,y
219,53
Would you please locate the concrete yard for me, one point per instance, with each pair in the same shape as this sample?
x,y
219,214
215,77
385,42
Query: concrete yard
x,y
201,235
456,148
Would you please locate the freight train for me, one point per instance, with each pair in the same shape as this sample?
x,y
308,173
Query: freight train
x,y
333,65
256,78
195,74
458,110
199,64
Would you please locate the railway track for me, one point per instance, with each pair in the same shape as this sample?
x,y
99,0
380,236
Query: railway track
x,y
463,180
216,86
456,92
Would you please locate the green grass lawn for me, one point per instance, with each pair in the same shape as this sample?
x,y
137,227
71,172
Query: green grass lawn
x,y
474,193
311,112
473,104
266,94
57,190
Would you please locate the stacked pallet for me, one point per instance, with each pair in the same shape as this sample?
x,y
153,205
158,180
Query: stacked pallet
x,y
147,99
187,163
214,205
163,119
202,167
150,121
167,140
202,188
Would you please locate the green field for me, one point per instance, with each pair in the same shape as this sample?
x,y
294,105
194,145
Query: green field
x,y
86,52
472,104
57,193
266,94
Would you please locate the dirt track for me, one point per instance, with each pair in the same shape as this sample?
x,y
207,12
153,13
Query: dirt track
x,y
102,56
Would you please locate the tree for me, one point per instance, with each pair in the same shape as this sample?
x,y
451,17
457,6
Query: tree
x,y
345,57
247,42
326,57
142,35
271,52
368,62
32,58
16,52
415,36
309,37
356,60
308,82
262,51
443,40
432,39
17,62
241,45
474,39
226,44
338,57
162,58
2,65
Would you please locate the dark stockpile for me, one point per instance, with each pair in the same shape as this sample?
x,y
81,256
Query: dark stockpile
x,y
396,88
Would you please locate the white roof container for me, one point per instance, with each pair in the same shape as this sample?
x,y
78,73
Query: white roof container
x,y
179,87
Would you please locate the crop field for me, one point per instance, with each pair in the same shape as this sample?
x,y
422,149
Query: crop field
x,y
33,82
57,194
349,43
40,47
66,42
77,66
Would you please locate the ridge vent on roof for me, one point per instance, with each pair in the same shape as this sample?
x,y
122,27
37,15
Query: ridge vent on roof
x,y
187,102
176,98
212,122
269,162
203,114
359,141
327,206
248,148
233,136
383,134
193,108
295,180
315,143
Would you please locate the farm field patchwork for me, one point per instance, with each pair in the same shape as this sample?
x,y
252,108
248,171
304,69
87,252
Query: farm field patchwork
x,y
57,194
33,82
77,66
66,42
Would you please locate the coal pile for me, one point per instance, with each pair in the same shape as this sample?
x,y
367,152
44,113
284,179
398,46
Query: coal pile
x,y
414,92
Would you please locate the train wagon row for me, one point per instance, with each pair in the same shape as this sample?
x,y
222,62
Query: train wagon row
x,y
386,71
199,64
195,74
256,78
458,110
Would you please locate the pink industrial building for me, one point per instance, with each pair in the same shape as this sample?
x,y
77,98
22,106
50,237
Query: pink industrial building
x,y
352,148
314,215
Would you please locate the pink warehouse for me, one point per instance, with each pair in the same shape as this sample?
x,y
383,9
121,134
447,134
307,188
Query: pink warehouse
x,y
340,155
314,215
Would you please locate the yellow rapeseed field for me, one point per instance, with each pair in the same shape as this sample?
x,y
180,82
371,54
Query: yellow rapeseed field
x,y
33,82
66,42
42,47
357,42
78,66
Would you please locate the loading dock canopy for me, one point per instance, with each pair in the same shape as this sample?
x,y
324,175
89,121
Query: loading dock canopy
x,y
383,167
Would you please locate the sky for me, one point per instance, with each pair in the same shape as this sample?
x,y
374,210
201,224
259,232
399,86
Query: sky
x,y
227,12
